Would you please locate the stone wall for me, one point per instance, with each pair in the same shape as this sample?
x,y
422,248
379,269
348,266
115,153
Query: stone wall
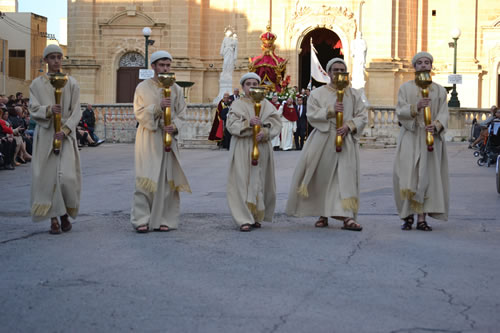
x,y
100,32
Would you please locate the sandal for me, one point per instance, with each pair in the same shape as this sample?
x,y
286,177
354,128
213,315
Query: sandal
x,y
422,225
163,228
256,225
55,228
351,224
142,229
322,222
408,222
246,227
65,224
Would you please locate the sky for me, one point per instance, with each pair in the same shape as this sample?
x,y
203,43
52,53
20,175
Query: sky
x,y
53,10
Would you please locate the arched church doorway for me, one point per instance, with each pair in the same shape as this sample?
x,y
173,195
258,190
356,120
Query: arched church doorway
x,y
127,77
328,45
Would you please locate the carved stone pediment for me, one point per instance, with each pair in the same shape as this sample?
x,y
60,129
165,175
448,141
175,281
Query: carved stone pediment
x,y
322,16
130,18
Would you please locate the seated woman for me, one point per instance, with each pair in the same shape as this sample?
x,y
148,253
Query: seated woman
x,y
14,118
83,137
7,143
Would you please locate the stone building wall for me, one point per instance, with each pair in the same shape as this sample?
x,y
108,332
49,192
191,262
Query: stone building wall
x,y
102,31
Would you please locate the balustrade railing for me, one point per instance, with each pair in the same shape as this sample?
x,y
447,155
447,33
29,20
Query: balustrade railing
x,y
116,122
383,121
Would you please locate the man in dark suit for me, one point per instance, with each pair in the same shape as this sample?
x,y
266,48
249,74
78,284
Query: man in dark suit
x,y
301,132
235,95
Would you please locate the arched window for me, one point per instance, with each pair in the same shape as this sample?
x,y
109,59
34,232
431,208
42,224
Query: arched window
x,y
132,59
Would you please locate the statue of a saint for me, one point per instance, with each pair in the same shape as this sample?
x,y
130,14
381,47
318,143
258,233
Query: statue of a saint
x,y
358,50
229,51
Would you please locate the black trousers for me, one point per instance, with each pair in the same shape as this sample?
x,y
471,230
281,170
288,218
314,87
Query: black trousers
x,y
299,140
8,149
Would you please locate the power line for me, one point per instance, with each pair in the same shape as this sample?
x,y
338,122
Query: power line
x,y
18,27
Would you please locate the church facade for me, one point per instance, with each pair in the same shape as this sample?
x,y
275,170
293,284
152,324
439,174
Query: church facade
x,y
106,47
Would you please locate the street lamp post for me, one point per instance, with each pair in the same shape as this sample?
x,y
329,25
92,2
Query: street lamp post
x,y
454,102
146,32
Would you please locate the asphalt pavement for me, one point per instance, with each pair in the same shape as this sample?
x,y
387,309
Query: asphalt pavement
x,y
286,277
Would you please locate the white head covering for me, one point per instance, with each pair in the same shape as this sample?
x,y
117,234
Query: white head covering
x,y
419,55
334,60
52,48
249,76
160,55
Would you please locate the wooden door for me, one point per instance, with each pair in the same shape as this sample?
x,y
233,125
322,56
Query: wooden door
x,y
127,79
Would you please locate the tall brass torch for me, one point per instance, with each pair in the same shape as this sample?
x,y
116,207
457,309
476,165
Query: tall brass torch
x,y
423,79
257,94
341,81
58,81
167,80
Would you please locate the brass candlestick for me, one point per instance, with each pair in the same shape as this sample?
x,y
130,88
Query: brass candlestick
x,y
424,80
167,80
257,94
58,81
341,81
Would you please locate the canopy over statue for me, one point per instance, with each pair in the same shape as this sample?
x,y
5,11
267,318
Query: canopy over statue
x,y
269,66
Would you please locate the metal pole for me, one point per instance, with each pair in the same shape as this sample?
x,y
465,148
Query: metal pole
x,y
454,102
146,53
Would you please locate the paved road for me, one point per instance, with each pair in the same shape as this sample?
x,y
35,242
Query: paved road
x,y
286,277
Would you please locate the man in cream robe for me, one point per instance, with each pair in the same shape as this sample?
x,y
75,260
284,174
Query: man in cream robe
x,y
56,179
421,177
326,182
251,189
158,174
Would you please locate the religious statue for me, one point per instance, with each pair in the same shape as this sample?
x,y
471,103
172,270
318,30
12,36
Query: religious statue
x,y
358,50
269,66
229,52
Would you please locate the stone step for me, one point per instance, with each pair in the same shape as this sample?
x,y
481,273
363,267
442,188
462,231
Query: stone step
x,y
372,145
390,141
199,144
367,139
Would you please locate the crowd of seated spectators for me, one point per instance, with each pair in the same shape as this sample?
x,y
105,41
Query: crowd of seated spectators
x,y
17,130
16,140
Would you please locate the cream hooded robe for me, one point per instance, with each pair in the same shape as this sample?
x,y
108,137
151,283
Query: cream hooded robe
x,y
158,174
326,183
420,177
251,190
56,179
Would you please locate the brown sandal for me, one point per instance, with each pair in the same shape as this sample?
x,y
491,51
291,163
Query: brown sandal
x,y
65,223
163,228
256,225
408,222
142,229
351,224
422,225
322,222
246,227
55,228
